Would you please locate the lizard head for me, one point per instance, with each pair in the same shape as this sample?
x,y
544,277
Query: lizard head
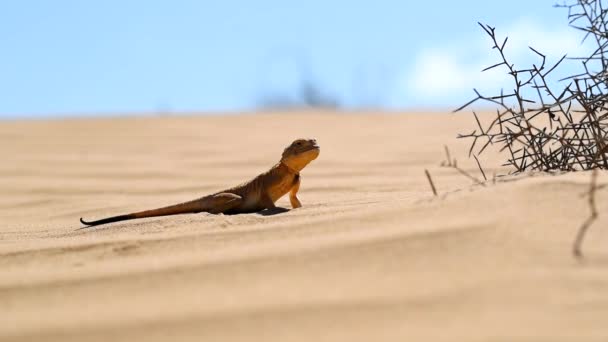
x,y
299,153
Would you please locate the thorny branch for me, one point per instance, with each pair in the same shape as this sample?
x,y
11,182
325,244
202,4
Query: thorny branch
x,y
543,129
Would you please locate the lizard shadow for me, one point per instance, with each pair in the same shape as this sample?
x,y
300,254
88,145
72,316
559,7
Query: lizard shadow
x,y
272,212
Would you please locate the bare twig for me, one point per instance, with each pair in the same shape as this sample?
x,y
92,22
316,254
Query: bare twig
x,y
454,165
428,176
468,175
480,168
447,156
582,231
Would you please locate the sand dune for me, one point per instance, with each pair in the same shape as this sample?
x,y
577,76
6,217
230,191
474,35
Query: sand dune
x,y
371,256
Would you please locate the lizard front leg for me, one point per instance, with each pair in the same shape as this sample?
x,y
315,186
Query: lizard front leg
x,y
295,202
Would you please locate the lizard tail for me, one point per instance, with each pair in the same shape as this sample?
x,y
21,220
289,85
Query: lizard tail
x,y
195,206
107,220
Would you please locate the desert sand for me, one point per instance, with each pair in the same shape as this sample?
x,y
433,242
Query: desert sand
x,y
371,256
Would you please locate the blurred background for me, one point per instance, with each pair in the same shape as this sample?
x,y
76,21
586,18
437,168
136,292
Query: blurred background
x,y
81,58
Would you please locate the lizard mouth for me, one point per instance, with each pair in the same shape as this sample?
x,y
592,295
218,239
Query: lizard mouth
x,y
311,148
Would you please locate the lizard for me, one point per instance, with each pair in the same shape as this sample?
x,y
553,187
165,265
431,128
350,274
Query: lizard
x,y
256,195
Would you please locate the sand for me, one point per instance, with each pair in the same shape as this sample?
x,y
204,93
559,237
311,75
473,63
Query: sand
x,y
371,256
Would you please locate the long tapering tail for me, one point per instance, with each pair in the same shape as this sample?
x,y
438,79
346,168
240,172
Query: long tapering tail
x,y
107,220
195,206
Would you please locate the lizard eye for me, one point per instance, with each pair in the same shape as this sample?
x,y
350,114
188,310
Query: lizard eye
x,y
299,143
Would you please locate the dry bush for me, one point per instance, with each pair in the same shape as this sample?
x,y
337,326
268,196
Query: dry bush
x,y
547,130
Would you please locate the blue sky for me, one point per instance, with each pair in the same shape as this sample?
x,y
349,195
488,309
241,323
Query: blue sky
x,y
65,57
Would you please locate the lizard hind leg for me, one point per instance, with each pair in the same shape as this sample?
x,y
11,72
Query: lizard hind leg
x,y
224,202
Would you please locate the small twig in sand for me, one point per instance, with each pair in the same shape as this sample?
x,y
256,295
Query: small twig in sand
x,y
428,176
454,165
447,155
480,168
585,226
466,174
